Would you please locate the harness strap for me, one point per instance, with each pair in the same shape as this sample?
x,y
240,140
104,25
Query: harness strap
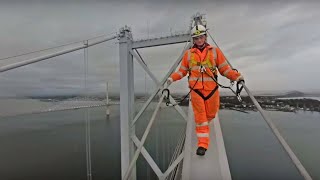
x,y
209,95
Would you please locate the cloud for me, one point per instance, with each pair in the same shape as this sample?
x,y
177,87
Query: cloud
x,y
268,42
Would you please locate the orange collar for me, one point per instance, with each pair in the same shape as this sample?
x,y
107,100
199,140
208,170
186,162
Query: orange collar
x,y
193,50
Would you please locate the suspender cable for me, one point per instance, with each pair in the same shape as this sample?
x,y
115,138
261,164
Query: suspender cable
x,y
274,129
143,139
177,152
87,115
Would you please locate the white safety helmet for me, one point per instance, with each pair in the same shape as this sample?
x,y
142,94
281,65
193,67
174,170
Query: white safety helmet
x,y
198,30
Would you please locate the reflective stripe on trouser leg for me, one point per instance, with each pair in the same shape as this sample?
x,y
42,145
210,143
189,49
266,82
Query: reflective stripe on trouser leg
x,y
203,133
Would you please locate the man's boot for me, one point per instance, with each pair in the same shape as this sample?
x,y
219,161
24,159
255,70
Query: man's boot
x,y
201,151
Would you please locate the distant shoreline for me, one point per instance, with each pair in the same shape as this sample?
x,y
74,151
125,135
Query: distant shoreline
x,y
14,106
269,103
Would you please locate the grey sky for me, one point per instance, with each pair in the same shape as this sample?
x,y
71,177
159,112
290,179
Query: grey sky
x,y
275,44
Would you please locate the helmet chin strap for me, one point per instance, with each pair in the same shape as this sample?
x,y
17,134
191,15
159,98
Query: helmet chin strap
x,y
203,45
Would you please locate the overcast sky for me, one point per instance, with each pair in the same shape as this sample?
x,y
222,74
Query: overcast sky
x,y
275,44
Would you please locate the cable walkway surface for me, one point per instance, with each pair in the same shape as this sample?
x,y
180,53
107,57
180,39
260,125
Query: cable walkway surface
x,y
214,165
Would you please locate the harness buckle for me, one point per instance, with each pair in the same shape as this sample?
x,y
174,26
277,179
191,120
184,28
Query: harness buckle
x,y
202,69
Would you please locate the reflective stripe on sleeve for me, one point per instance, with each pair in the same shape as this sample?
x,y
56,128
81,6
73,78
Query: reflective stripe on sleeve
x,y
202,134
226,72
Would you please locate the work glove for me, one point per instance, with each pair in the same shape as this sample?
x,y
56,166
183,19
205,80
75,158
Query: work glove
x,y
169,81
240,78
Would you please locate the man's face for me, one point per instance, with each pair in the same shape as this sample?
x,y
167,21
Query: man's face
x,y
199,41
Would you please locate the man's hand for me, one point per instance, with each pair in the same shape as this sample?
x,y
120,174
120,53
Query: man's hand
x,y
240,78
169,81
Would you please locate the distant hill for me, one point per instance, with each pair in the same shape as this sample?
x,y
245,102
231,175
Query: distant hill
x,y
294,94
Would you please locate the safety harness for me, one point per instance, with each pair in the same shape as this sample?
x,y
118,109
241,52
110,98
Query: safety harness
x,y
202,68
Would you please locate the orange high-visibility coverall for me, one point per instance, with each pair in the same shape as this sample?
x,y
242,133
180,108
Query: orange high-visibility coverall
x,y
204,110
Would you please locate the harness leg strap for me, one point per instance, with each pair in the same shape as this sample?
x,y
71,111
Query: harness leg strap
x,y
209,95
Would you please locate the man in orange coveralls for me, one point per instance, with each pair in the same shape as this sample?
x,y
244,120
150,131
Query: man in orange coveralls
x,y
201,62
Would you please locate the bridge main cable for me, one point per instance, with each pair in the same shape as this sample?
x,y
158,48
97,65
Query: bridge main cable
x,y
48,56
